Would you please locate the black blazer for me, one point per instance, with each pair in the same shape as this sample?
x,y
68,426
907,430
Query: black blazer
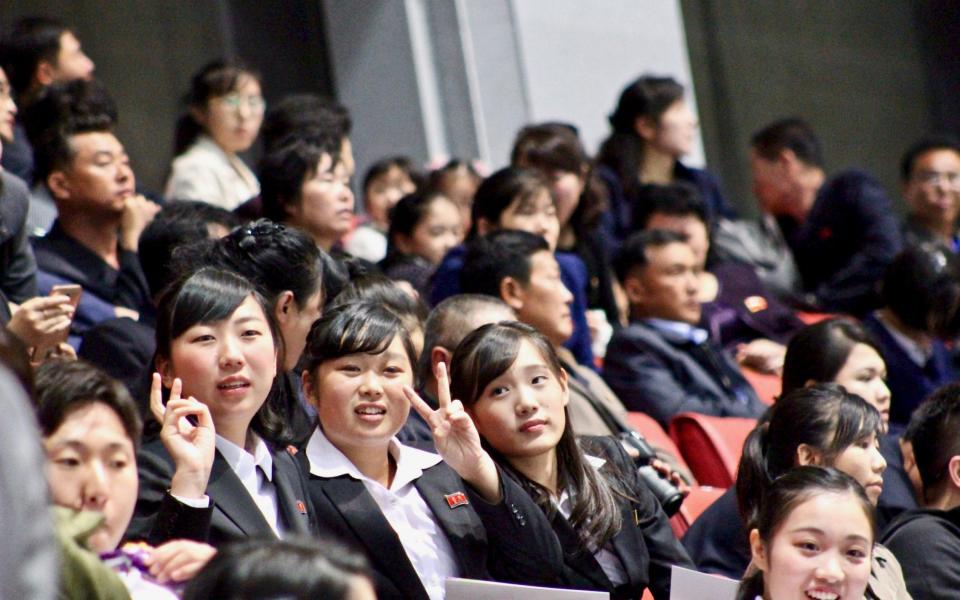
x,y
510,541
645,544
232,514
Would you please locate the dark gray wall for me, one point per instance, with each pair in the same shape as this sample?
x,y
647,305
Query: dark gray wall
x,y
855,69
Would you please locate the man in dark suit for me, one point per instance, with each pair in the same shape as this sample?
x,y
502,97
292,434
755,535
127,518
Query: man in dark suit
x,y
662,363
930,174
843,231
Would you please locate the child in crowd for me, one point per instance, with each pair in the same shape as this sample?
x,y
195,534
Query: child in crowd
x,y
812,538
224,113
385,183
457,180
423,228
614,535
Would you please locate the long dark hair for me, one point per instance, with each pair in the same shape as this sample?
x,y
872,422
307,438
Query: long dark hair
x,y
206,296
818,352
783,495
217,78
486,354
823,416
622,151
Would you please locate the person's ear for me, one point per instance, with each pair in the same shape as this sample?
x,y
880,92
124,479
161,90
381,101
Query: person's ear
x,y
283,309
809,383
808,455
953,470
45,73
439,354
59,185
198,114
759,551
166,372
484,226
306,383
646,128
512,293
635,290
564,380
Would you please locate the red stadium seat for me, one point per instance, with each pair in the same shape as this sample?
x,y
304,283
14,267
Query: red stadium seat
x,y
711,445
700,498
767,386
651,430
810,318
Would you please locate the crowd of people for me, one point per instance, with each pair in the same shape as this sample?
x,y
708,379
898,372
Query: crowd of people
x,y
244,386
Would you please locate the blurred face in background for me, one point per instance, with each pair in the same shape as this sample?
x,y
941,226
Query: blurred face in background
x,y
933,191
233,120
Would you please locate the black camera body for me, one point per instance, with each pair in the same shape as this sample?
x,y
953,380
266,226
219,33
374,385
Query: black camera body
x,y
666,493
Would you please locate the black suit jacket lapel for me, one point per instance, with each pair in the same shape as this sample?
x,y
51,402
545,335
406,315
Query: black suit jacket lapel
x,y
365,519
582,561
629,546
460,524
291,497
233,500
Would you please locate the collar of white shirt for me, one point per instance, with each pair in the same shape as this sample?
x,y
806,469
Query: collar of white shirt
x,y
678,331
327,461
917,353
240,460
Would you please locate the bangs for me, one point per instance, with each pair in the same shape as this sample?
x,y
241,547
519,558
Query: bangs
x,y
555,155
356,328
857,419
201,302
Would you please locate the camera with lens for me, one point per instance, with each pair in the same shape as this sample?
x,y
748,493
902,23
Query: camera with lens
x,y
663,489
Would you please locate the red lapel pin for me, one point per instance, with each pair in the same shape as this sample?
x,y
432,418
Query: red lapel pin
x,y
456,499
301,507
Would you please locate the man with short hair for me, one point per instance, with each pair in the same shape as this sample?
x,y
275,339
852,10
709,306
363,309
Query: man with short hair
x,y
842,231
926,541
35,53
663,364
930,174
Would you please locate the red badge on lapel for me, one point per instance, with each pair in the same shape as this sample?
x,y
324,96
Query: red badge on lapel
x,y
301,507
456,499
755,303
292,450
825,233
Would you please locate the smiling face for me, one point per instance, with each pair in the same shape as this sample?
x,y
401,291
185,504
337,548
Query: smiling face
x,y
228,365
536,214
359,397
821,551
325,207
521,412
864,374
98,179
91,465
233,120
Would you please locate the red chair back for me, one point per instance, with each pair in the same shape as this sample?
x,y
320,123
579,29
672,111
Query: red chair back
x,y
654,433
766,385
700,498
711,445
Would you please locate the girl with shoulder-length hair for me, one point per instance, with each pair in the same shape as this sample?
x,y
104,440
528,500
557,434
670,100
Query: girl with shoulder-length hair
x,y
419,517
217,346
812,537
614,534
225,109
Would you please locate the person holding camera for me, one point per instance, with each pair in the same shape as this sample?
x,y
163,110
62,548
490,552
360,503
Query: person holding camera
x,y
614,534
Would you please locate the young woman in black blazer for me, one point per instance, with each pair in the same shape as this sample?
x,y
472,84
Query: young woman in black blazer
x,y
418,518
216,346
614,534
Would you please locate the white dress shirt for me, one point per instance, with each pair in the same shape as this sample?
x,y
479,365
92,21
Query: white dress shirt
x,y
608,559
422,538
208,174
256,474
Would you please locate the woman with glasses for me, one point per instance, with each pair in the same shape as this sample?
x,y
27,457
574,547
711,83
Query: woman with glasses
x,y
224,113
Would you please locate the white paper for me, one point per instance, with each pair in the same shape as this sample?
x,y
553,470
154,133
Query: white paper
x,y
692,585
475,589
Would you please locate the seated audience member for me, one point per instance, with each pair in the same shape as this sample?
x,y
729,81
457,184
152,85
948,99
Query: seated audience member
x,y
834,519
392,295
555,150
123,347
91,431
842,351
306,185
394,502
652,128
842,230
457,180
921,298
94,240
663,364
289,569
218,353
737,309
423,228
926,541
930,178
386,181
37,52
520,199
821,425
614,535
224,112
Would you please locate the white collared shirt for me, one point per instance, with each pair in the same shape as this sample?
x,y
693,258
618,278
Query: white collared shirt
x,y
919,355
258,482
422,538
678,330
608,559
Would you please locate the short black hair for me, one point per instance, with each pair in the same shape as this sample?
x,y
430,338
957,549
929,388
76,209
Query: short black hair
x,y
925,144
299,112
678,199
788,134
817,352
922,288
178,223
494,257
498,191
934,432
292,161
30,41
383,166
633,253
376,288
63,387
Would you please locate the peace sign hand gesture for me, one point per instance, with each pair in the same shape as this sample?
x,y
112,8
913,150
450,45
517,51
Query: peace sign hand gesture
x,y
191,446
456,438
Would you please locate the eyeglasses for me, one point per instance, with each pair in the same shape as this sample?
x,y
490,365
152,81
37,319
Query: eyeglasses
x,y
256,104
933,178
